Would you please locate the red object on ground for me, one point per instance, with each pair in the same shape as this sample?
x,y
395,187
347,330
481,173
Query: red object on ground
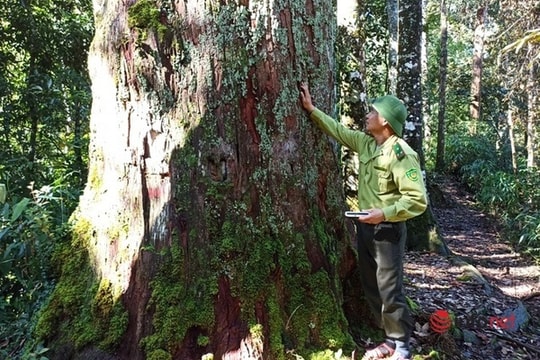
x,y
440,321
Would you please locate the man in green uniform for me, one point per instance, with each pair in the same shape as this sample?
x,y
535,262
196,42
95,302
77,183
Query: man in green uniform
x,y
391,190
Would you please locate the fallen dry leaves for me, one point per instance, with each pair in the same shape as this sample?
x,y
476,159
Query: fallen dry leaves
x,y
486,286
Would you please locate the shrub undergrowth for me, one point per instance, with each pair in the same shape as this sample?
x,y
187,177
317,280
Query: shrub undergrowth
x,y
30,229
513,196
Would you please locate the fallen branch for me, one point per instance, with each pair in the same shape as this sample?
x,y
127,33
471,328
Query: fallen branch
x,y
530,296
515,341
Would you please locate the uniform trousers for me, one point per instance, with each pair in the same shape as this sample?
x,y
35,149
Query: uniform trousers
x,y
381,249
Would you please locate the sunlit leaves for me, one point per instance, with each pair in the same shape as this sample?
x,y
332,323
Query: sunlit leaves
x,y
44,90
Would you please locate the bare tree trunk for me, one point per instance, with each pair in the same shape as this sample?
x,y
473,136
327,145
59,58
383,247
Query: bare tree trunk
x,y
532,104
422,230
513,153
212,218
443,61
426,105
409,86
477,68
392,7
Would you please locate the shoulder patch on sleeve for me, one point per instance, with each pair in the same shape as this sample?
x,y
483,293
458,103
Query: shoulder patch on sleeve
x,y
398,150
412,174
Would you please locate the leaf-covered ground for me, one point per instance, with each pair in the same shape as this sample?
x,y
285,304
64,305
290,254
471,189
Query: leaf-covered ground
x,y
492,292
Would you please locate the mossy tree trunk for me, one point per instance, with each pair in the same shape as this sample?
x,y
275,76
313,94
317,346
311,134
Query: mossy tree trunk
x,y
212,218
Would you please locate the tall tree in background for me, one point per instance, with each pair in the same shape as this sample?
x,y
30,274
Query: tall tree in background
x,y
212,218
392,11
409,84
519,59
422,231
443,68
477,68
533,95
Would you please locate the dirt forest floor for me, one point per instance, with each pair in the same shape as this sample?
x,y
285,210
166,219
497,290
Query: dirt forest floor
x,y
492,292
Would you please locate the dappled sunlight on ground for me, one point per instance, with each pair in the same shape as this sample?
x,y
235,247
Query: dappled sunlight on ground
x,y
483,282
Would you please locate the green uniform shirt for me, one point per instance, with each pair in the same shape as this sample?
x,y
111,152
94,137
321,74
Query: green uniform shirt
x,y
389,177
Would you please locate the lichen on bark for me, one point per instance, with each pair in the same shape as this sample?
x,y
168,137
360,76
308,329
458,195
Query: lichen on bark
x,y
217,215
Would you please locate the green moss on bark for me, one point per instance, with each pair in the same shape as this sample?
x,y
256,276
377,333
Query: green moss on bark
x,y
144,15
261,266
81,310
179,303
159,355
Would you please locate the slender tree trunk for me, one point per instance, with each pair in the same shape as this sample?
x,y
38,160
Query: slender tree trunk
x,y
211,224
513,154
422,230
79,164
409,86
477,69
392,10
32,84
353,86
443,61
532,104
426,105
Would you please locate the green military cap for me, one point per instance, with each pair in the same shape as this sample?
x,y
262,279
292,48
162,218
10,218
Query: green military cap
x,y
393,110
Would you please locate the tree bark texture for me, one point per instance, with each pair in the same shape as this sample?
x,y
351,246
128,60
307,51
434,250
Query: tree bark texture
x,y
477,69
409,84
443,70
422,231
392,10
532,106
212,222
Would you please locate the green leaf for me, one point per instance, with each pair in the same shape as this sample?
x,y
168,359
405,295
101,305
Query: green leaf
x,y
3,232
5,267
3,193
19,208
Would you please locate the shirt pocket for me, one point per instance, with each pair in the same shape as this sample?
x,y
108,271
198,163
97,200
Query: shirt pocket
x,y
364,170
385,180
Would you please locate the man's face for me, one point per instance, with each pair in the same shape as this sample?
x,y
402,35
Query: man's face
x,y
374,122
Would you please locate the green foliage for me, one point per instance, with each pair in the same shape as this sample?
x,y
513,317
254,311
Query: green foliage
x,y
471,157
375,22
30,231
529,223
481,158
512,196
44,108
159,355
523,222
81,311
44,92
144,15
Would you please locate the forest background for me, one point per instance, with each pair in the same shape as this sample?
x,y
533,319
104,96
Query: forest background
x,y
480,123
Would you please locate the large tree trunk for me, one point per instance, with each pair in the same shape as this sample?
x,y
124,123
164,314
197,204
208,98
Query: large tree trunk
x,y
422,230
212,218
